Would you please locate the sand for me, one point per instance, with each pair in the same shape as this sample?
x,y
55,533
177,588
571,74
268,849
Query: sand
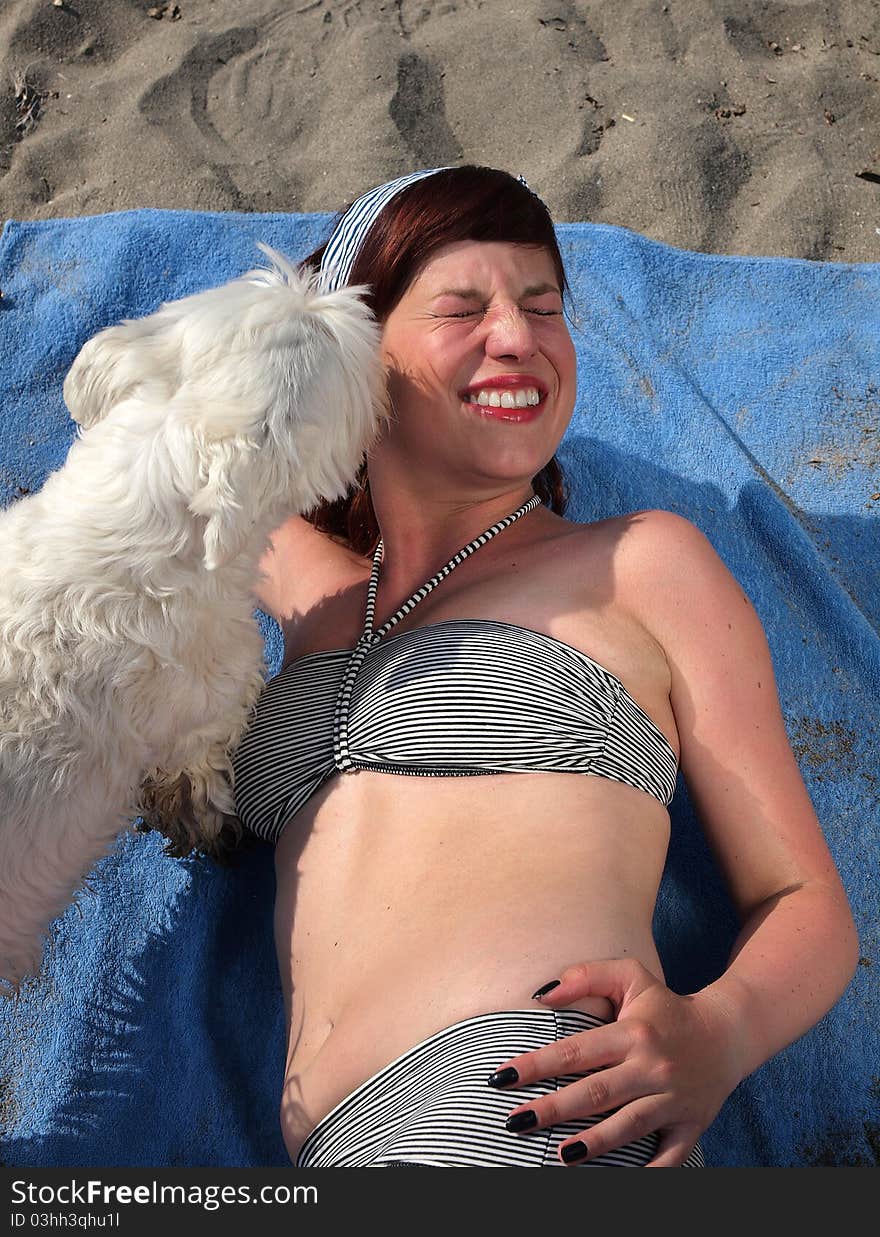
x,y
726,126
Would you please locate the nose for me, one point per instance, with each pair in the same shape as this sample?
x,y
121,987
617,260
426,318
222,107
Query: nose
x,y
510,333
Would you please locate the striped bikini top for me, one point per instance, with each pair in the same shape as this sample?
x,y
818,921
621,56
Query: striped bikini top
x,y
457,698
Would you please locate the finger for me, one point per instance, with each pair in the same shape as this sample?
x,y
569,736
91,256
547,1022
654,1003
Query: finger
x,y
673,1149
571,1054
594,1096
635,1121
614,978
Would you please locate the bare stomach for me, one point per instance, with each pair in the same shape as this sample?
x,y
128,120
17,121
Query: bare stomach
x,y
405,904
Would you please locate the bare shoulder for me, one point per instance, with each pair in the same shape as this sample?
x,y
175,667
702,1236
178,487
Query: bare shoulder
x,y
657,528
645,551
300,565
684,592
656,552
647,531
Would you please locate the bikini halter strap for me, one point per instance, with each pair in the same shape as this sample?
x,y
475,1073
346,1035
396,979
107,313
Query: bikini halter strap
x,y
426,588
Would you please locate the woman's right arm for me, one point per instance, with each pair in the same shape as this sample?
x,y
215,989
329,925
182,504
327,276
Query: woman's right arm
x,y
276,589
298,567
265,585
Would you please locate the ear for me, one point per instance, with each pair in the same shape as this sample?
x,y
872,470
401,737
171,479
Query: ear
x,y
115,362
229,522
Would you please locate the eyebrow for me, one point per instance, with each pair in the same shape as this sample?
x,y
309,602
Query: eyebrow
x,y
474,294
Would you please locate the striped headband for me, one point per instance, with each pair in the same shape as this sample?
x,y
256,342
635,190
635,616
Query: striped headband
x,y
345,243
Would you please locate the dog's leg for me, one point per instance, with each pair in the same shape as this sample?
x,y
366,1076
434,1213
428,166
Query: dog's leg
x,y
193,809
45,855
188,795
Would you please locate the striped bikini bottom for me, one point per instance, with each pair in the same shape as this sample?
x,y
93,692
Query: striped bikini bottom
x,y
432,1106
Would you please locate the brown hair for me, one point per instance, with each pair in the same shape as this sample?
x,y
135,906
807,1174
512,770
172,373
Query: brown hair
x,y
463,203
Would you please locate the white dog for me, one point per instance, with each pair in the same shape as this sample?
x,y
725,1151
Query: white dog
x,y
128,646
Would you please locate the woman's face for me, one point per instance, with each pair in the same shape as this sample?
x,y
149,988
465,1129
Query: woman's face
x,y
481,367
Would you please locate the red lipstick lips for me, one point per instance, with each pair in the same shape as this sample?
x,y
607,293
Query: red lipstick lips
x,y
513,382
508,382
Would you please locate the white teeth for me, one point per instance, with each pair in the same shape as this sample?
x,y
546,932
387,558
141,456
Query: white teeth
x,y
491,397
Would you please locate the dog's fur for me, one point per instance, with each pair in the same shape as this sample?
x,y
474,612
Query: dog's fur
x,y
129,652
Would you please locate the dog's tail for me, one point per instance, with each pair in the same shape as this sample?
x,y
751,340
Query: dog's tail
x,y
280,270
303,278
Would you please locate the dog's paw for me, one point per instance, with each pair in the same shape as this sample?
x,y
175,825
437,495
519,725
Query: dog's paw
x,y
180,809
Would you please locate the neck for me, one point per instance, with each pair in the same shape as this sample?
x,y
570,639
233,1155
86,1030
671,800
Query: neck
x,y
420,533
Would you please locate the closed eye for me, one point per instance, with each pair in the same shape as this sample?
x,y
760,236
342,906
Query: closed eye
x,y
541,313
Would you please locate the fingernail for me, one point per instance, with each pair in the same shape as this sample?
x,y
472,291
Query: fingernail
x,y
522,1121
574,1151
554,983
503,1077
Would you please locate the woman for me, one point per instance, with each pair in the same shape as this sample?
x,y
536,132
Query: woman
x,y
467,758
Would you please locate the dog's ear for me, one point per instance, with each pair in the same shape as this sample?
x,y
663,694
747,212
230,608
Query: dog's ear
x,y
222,500
115,362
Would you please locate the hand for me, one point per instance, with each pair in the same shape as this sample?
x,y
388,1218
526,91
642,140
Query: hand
x,y
666,1064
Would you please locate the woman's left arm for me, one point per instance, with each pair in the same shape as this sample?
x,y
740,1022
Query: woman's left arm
x,y
797,949
676,1058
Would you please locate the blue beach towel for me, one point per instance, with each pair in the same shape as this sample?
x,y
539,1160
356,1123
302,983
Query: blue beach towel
x,y
742,393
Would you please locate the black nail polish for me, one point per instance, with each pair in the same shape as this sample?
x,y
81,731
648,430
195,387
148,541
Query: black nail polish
x,y
504,1077
522,1121
574,1151
554,983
